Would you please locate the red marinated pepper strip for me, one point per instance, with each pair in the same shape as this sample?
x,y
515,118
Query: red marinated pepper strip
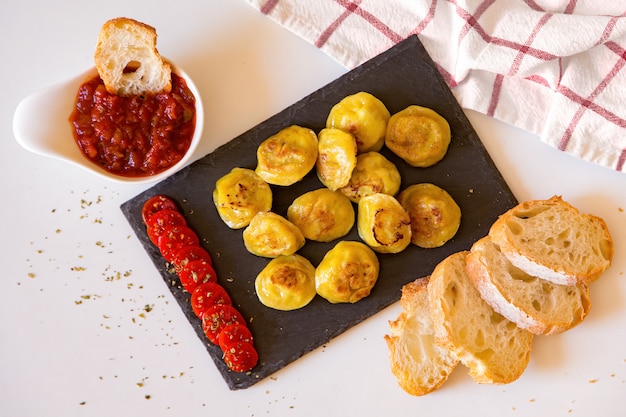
x,y
241,357
186,254
207,294
156,203
222,323
161,220
195,273
234,333
218,316
174,238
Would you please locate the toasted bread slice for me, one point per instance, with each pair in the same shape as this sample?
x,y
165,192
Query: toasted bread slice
x,y
419,364
495,350
127,59
534,304
553,240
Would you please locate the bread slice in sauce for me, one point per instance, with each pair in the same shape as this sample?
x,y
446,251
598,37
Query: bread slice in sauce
x,y
128,61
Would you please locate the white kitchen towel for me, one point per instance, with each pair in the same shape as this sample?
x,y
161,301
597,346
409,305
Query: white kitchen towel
x,y
553,67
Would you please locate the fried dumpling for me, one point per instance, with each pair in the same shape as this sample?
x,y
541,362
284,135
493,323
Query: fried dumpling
x,y
364,116
286,157
286,283
322,215
347,273
336,157
240,195
270,235
418,135
435,216
373,174
383,223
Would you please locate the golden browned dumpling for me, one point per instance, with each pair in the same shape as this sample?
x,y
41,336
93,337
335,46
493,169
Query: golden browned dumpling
x,y
286,157
364,116
418,135
240,195
373,174
286,283
270,235
336,157
322,215
383,223
435,216
347,273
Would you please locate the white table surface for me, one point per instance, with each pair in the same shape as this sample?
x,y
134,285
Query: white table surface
x,y
87,326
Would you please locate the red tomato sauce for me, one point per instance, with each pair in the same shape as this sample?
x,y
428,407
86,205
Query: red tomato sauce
x,y
134,136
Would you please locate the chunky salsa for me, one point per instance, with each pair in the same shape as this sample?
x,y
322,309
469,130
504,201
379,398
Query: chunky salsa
x,y
134,136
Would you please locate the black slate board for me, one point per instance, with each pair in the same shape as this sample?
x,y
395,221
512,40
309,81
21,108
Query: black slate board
x,y
402,76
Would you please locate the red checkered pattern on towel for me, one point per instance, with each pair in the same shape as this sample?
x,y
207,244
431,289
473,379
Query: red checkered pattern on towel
x,y
552,67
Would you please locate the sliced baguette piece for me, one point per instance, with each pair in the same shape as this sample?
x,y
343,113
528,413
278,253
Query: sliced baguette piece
x,y
534,304
419,364
495,350
551,239
127,59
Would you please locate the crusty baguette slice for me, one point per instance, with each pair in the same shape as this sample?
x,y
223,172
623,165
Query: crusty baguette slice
x,y
495,350
553,240
419,364
127,59
534,304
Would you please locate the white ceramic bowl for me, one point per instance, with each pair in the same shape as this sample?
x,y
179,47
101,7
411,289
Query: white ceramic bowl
x,y
41,125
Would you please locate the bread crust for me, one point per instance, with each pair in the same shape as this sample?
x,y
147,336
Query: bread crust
x,y
128,61
485,308
419,364
534,304
495,350
555,241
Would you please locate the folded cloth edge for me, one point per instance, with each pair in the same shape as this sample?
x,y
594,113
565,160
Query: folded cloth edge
x,y
570,121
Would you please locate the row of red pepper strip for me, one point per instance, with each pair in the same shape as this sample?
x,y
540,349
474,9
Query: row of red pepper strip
x,y
222,323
